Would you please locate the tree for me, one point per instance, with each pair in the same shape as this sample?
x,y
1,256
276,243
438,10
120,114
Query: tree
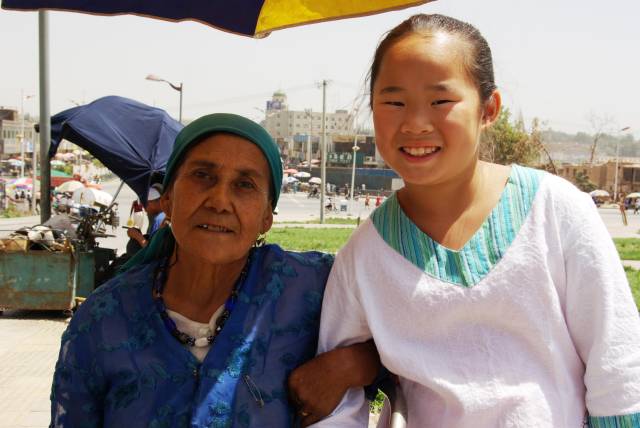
x,y
583,183
599,125
506,143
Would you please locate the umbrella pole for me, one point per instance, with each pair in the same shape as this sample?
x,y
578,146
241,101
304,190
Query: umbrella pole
x,y
113,201
45,120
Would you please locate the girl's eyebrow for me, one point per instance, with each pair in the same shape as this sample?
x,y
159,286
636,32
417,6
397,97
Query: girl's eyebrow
x,y
439,87
436,87
390,90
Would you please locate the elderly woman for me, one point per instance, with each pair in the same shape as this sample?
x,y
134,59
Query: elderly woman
x,y
205,324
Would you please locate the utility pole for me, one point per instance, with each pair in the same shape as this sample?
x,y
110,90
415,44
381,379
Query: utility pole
x,y
323,145
22,138
45,119
310,114
615,182
355,149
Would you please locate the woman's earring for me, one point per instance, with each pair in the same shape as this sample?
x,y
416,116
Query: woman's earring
x,y
260,240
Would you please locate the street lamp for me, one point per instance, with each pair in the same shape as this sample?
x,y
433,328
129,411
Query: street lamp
x,y
355,149
615,180
309,113
178,88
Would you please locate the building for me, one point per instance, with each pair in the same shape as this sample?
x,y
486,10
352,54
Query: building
x,y
366,155
12,128
295,130
603,175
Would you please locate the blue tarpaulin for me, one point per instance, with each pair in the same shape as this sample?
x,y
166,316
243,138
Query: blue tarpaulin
x,y
132,139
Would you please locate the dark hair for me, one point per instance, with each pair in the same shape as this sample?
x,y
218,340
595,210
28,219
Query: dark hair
x,y
479,66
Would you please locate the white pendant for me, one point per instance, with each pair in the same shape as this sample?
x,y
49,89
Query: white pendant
x,y
202,342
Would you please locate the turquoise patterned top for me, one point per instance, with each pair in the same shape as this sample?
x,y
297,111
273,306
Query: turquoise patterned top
x,y
120,367
469,265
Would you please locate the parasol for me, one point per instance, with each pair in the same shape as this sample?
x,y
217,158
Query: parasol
x,y
599,193
88,196
70,186
315,180
254,18
130,138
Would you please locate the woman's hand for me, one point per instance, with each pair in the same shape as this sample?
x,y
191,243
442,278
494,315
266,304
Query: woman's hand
x,y
317,386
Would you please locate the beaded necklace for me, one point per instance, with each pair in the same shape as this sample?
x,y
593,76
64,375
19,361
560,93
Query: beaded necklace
x,y
158,286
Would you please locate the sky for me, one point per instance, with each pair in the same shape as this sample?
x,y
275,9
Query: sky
x,y
559,61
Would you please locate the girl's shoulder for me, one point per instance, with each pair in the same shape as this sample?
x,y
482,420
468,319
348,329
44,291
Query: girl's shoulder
x,y
556,195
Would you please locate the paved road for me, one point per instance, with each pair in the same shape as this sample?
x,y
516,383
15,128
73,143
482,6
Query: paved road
x,y
292,207
29,341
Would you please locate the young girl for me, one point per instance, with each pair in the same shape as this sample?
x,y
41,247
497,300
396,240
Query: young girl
x,y
494,292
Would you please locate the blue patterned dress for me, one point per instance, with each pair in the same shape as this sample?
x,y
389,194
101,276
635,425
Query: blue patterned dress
x,y
120,367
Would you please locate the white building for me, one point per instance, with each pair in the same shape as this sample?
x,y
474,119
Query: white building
x,y
12,128
292,128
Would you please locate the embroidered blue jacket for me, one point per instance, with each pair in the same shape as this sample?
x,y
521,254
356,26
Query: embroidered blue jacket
x,y
120,367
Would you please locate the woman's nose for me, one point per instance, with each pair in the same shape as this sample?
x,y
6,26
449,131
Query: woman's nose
x,y
417,120
219,197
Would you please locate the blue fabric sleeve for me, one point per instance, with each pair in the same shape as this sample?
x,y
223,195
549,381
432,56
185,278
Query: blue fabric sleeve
x,y
78,384
622,421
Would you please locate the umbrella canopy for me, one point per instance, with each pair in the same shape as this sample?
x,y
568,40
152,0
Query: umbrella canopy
x,y
24,181
88,196
70,186
21,184
315,180
290,180
302,174
130,138
255,18
633,195
599,193
56,162
291,171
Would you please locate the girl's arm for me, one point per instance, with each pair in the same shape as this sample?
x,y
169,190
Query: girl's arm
x,y
602,317
317,386
343,323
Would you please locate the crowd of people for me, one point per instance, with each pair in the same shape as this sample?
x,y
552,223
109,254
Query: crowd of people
x,y
507,306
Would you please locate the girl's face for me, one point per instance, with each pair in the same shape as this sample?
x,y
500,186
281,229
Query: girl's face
x,y
427,112
219,200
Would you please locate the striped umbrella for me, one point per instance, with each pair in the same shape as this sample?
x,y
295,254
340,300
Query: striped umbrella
x,y
255,18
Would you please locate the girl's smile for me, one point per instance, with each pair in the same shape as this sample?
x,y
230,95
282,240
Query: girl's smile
x,y
419,153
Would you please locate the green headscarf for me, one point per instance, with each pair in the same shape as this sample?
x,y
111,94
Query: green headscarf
x,y
163,241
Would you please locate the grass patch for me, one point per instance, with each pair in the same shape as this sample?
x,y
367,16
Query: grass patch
x,y
628,248
332,220
304,239
13,212
633,276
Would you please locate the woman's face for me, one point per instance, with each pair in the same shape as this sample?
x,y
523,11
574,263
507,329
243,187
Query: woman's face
x,y
426,109
219,201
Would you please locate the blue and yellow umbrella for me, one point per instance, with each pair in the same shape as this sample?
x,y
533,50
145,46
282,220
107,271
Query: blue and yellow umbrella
x,y
254,18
